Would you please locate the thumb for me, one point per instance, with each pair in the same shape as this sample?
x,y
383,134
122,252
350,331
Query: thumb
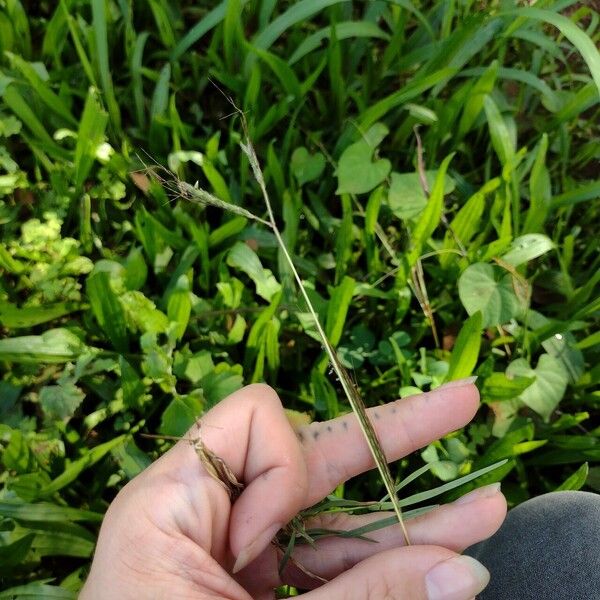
x,y
250,432
411,573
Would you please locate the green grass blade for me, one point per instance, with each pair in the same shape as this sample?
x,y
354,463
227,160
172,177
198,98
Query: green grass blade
x,y
412,90
100,29
466,349
501,139
45,512
446,487
90,136
79,48
73,470
299,11
589,52
42,89
200,29
137,57
38,591
591,191
430,217
343,31
107,309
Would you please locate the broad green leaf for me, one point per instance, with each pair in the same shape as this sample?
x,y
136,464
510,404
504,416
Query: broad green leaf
x,y
160,97
89,137
136,270
500,387
221,382
181,413
9,125
59,402
179,307
131,384
548,388
446,470
61,539
324,394
307,167
357,172
141,313
487,288
476,97
466,348
131,459
430,217
540,190
406,197
193,367
244,258
526,248
53,346
38,591
337,309
15,552
17,456
46,512
14,317
74,469
107,309
575,481
467,221
501,138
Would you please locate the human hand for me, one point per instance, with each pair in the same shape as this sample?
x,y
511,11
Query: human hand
x,y
172,532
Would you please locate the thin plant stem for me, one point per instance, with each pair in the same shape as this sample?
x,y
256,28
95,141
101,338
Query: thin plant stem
x,y
350,390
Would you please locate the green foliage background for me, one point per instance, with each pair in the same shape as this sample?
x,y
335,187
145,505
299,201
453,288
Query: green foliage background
x,y
125,309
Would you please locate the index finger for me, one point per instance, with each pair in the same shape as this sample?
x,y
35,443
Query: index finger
x,y
336,450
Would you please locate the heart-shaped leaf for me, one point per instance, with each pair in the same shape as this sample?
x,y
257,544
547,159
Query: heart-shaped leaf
x,y
526,248
548,388
489,289
406,198
307,167
244,258
357,172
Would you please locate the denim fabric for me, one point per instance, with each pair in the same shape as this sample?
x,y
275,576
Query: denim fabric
x,y
548,548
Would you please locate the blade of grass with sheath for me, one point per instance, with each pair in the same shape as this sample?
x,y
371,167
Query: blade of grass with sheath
x,y
200,196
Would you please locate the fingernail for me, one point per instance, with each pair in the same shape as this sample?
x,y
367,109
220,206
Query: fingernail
x,y
250,552
457,578
459,382
487,491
